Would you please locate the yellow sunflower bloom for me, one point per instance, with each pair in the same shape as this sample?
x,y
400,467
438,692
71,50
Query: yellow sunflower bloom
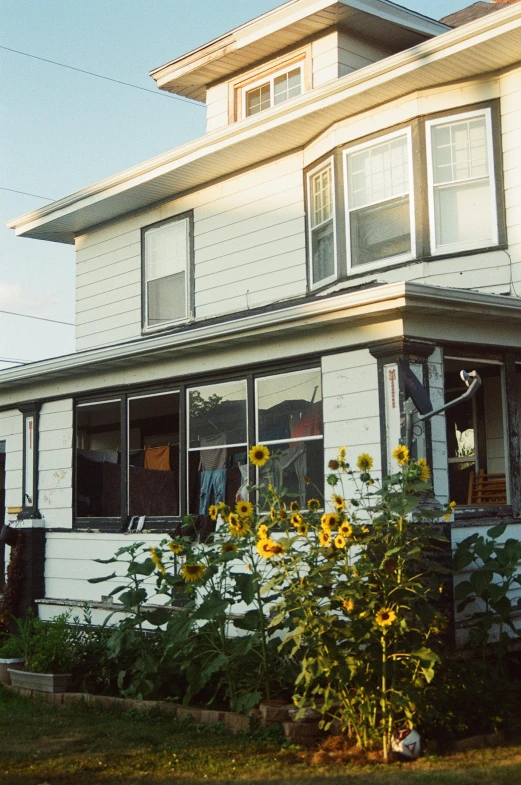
x,y
294,506
233,519
452,506
329,521
296,519
324,537
156,558
175,547
342,454
259,454
364,462
302,529
313,505
238,528
425,473
268,548
244,508
401,454
340,541
283,514
385,617
365,529
192,572
262,531
228,547
339,502
213,512
273,514
348,605
345,529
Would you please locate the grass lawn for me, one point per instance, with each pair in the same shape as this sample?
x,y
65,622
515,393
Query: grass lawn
x,y
83,745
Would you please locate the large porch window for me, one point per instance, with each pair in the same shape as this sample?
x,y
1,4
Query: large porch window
x,y
476,443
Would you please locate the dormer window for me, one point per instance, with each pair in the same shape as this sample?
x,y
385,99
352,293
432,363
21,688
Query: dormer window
x,y
272,90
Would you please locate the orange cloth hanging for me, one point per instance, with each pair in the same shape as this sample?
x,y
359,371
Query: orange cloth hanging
x,y
158,458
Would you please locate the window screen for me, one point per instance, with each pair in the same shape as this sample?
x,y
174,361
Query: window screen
x,y
166,272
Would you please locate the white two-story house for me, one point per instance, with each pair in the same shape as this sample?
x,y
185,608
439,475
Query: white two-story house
x,y
356,201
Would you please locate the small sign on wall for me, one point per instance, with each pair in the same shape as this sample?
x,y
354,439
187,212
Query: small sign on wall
x,y
392,411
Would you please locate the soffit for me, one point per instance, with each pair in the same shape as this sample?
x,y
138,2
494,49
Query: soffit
x,y
277,131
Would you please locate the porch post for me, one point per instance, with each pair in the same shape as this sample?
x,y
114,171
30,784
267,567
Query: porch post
x,y
512,432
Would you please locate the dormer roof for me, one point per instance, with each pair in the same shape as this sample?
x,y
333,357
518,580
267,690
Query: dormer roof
x,y
287,26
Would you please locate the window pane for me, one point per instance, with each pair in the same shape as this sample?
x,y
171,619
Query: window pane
x,y
166,299
323,252
321,196
215,475
153,442
257,99
289,406
378,173
287,86
98,460
463,213
217,415
295,461
380,232
460,150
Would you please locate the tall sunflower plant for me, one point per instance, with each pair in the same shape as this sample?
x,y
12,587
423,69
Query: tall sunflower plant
x,y
360,589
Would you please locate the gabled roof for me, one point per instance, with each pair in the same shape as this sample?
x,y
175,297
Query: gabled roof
x,y
481,47
471,13
286,26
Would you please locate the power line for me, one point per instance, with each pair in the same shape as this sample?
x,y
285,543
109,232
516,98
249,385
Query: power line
x,y
39,318
36,196
100,76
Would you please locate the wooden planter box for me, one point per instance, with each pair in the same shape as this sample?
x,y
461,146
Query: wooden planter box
x,y
41,682
14,663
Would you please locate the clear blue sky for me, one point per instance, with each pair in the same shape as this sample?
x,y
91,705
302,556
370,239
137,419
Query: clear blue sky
x,y
61,130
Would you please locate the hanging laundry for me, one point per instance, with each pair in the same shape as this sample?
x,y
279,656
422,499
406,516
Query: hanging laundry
x,y
158,458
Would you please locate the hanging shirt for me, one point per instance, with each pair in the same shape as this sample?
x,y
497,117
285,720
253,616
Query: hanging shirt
x,y
158,458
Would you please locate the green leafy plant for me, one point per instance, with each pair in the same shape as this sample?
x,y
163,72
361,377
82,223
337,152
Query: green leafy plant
x,y
50,647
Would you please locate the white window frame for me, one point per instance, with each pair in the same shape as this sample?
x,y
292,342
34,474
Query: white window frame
x,y
330,162
270,79
467,246
389,260
154,227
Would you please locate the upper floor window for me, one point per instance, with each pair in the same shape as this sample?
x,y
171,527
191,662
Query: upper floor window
x,y
322,224
462,197
166,272
380,205
272,90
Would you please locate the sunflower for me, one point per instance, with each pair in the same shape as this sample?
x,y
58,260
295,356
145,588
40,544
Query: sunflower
x,y
365,529
333,465
192,572
156,558
239,528
262,531
339,502
233,519
221,507
244,508
452,505
228,547
401,454
340,541
296,519
283,514
213,512
313,505
273,514
342,454
385,617
302,529
345,529
425,472
294,506
259,455
324,538
364,462
329,521
348,605
175,547
268,548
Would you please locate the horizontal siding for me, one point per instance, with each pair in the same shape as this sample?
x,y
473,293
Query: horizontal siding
x,y
55,463
11,431
351,408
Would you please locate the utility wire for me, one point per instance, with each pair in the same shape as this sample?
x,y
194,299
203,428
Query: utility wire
x,y
39,318
100,76
36,196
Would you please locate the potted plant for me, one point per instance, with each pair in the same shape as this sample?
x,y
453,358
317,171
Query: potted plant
x,y
49,655
11,656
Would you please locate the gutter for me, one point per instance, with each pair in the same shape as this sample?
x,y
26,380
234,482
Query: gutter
x,y
355,305
317,99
